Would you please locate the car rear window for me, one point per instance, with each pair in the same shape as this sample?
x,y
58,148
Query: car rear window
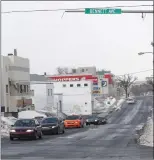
x,y
24,123
130,99
49,120
91,117
72,117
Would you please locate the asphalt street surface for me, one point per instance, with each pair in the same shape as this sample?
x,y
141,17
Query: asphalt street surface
x,y
114,140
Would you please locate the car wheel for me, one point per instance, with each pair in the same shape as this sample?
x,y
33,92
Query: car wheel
x,y
40,136
63,131
57,132
11,138
35,136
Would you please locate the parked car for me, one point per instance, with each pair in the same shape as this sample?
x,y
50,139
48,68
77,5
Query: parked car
x,y
74,121
26,128
93,119
84,118
102,120
131,100
52,125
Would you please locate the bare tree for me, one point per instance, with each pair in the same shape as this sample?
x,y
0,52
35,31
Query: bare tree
x,y
139,89
62,70
150,81
125,82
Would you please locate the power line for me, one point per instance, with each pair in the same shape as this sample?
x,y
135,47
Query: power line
x,y
67,9
136,72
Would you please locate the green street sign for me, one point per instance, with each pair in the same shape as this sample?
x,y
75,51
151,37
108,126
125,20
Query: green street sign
x,y
103,11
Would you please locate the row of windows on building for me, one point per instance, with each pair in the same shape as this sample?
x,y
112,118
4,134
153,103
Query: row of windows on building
x,y
77,85
21,89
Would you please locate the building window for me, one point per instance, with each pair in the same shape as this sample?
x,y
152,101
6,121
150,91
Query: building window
x,y
25,88
85,85
64,85
49,92
82,70
21,89
7,89
78,85
71,85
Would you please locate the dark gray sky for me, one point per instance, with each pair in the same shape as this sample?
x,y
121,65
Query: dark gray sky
x,y
106,41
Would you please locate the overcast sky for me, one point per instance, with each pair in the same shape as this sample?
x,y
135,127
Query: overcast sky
x,y
106,41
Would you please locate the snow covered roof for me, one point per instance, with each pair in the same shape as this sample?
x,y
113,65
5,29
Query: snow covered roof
x,y
30,114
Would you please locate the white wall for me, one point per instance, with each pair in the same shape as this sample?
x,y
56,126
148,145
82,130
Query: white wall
x,y
75,98
18,74
41,98
4,81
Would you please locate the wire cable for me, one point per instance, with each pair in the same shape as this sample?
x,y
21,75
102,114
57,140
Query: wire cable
x,y
135,72
64,9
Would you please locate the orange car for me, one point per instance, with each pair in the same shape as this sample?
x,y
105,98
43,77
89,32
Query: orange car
x,y
74,121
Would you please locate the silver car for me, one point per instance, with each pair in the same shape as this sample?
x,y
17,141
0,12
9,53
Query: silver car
x,y
131,101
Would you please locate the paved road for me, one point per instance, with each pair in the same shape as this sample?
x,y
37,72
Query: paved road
x,y
112,141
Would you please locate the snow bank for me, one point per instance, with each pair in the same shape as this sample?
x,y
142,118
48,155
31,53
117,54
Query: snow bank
x,y
147,136
105,105
30,114
6,123
119,104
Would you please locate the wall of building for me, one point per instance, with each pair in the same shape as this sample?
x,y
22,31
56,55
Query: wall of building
x,y
19,68
43,94
90,70
75,99
15,82
5,101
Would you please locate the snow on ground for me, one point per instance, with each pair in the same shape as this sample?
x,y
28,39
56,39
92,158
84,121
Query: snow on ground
x,y
6,123
119,104
147,137
105,105
30,114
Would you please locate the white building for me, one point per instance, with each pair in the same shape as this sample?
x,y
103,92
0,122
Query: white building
x,y
76,95
16,93
44,95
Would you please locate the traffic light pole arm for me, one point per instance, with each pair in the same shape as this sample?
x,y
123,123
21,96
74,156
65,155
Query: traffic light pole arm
x,y
123,11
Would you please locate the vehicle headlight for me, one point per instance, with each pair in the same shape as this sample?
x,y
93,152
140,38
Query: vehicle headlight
x,y
29,130
95,120
87,120
12,130
54,126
